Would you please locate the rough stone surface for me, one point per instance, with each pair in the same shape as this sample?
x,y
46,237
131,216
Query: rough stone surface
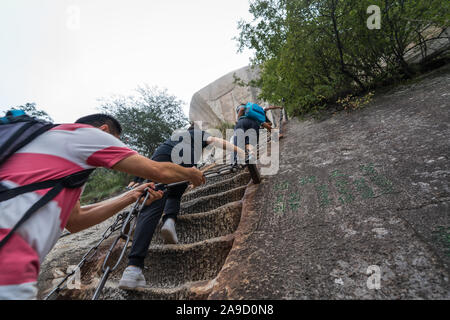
x,y
434,47
218,187
207,203
369,188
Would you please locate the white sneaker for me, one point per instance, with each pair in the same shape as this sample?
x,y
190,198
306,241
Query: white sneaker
x,y
168,232
132,278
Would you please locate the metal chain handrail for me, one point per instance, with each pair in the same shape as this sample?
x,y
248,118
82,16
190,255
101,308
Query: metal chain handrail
x,y
108,232
123,222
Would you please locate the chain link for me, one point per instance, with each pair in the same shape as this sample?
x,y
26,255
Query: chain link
x,y
92,251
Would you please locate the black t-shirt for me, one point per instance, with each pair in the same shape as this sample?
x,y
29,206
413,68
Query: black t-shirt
x,y
193,140
138,180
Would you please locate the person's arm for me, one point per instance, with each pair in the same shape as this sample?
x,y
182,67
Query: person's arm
x,y
241,112
267,126
272,108
85,217
104,150
225,145
163,172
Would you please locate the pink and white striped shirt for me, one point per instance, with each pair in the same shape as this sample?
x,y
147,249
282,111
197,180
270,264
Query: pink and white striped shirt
x,y
64,150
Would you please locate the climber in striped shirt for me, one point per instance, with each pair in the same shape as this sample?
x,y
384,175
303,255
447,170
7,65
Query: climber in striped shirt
x,y
91,142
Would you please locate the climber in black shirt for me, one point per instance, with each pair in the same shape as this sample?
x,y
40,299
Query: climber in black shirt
x,y
193,140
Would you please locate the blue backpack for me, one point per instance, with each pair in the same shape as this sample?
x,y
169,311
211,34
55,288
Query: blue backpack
x,y
255,112
17,130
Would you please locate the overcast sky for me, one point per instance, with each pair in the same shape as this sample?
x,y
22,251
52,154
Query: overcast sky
x,y
65,54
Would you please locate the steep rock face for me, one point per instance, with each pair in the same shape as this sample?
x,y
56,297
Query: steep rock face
x,y
216,102
358,194
434,47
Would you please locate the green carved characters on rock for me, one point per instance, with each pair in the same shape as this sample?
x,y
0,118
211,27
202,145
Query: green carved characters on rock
x,y
369,184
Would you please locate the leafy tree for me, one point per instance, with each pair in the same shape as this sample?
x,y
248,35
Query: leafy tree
x,y
315,51
30,109
148,118
103,184
268,30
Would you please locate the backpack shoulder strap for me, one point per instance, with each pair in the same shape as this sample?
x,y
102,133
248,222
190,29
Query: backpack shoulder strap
x,y
72,181
75,180
7,194
42,202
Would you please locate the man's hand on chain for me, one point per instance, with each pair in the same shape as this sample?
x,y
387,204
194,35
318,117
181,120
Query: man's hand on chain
x,y
154,195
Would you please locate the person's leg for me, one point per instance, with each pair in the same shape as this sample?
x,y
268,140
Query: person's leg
x,y
133,277
143,234
171,210
251,134
235,142
240,139
253,145
146,224
234,155
148,219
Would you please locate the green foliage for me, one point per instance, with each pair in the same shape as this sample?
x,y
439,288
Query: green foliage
x,y
315,51
31,110
104,183
148,119
267,32
350,103
442,236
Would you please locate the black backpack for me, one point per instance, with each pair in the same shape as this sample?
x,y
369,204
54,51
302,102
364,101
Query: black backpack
x,y
17,130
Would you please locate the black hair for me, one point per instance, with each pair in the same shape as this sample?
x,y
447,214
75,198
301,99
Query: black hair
x,y
99,119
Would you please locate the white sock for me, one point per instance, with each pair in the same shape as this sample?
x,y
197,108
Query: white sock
x,y
134,269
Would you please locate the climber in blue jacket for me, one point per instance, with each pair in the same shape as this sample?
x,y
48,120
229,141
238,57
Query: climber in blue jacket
x,y
251,117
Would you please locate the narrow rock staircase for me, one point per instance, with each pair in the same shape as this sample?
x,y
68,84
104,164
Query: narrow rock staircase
x,y
209,216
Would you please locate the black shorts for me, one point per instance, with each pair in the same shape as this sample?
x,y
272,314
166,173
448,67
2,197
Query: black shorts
x,y
246,124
